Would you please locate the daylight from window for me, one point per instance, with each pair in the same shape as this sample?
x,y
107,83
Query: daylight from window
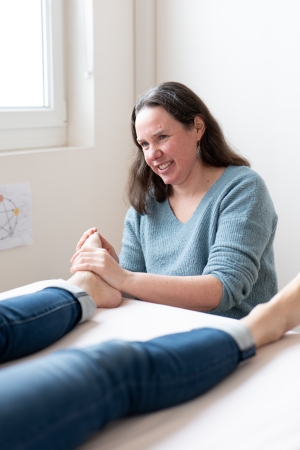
x,y
23,65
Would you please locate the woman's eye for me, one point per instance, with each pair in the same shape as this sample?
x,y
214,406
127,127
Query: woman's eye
x,y
162,137
144,144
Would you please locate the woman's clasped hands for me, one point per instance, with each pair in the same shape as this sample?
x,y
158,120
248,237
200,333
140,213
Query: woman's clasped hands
x,y
102,261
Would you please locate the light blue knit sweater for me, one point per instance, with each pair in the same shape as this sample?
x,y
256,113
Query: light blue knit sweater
x,y
230,236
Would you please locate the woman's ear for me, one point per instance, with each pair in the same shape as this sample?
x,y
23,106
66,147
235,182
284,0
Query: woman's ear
x,y
199,125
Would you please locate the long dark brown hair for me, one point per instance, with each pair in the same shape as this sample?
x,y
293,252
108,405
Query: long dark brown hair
x,y
184,105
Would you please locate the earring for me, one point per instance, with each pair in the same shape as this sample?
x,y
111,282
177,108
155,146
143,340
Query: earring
x,y
199,151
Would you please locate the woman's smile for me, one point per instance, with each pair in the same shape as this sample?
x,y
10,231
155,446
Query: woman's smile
x,y
163,167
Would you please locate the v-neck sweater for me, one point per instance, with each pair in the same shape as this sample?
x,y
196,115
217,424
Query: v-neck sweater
x,y
230,236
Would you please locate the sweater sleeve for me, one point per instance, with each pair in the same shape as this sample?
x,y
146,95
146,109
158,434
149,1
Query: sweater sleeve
x,y
245,231
131,256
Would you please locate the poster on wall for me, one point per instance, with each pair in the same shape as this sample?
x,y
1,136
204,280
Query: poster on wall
x,y
15,215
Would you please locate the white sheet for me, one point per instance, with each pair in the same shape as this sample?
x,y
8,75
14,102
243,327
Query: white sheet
x,y
257,407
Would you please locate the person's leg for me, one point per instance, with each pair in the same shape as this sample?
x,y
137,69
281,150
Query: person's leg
x,y
60,400
31,322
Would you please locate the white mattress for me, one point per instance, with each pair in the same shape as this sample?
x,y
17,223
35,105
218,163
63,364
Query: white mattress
x,y
257,407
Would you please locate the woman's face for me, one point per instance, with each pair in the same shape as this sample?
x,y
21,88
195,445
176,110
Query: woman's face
x,y
169,148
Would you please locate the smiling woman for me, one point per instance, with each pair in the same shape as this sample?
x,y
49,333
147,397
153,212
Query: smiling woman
x,y
200,232
169,148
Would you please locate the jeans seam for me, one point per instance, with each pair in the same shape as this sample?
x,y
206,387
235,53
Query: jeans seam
x,y
187,377
169,382
20,322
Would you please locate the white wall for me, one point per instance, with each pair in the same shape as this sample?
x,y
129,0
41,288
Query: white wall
x,y
242,58
75,189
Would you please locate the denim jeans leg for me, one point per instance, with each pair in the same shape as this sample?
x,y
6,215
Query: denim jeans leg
x,y
31,322
61,399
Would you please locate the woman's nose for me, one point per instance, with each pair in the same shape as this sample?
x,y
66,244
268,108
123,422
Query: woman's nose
x,y
154,152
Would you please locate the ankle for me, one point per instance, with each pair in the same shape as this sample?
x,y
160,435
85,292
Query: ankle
x,y
266,323
103,295
83,280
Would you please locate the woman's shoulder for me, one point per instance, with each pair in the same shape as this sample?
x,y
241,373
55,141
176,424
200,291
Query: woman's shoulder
x,y
242,177
246,191
242,172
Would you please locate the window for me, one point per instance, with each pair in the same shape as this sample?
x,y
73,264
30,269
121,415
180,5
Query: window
x,y
32,104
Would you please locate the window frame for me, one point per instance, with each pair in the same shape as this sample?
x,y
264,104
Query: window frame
x,y
41,127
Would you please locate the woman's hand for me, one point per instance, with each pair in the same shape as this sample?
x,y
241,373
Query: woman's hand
x,y
105,244
99,261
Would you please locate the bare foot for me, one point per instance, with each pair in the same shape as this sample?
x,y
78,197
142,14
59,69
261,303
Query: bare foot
x,y
103,295
269,321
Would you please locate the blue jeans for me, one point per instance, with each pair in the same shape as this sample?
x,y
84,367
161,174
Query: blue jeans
x,y
58,401
31,322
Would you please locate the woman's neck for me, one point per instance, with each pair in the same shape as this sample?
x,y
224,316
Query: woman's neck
x,y
184,199
198,184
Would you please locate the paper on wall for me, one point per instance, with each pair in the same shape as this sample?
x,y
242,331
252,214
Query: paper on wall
x,y
15,215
